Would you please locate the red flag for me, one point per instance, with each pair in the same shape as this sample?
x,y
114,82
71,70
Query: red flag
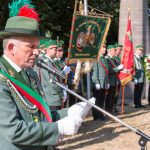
x,y
126,74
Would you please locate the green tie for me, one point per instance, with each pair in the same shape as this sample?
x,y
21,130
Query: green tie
x,y
25,76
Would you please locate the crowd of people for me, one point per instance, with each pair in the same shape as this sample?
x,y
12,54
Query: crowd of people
x,y
104,77
107,83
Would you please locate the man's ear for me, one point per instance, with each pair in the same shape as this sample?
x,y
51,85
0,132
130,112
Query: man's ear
x,y
11,48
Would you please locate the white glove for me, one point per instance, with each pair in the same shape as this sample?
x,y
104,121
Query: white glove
x,y
64,98
66,70
80,109
69,125
135,81
120,67
97,86
107,86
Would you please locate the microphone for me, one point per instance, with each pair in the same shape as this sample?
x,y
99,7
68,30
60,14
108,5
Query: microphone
x,y
41,63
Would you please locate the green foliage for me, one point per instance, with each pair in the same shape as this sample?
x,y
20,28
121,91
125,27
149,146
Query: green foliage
x,y
111,7
148,3
56,16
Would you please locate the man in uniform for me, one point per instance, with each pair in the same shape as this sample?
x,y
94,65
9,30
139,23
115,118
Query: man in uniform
x,y
52,92
26,121
113,69
101,83
138,77
118,85
60,64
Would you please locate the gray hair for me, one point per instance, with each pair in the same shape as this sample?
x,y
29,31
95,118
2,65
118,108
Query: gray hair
x,y
6,41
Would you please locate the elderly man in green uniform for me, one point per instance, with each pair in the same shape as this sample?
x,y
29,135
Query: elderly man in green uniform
x,y
101,83
113,71
26,121
138,77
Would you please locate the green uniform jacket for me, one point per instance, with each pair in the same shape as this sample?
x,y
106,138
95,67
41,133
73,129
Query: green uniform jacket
x,y
60,64
18,131
99,74
52,92
139,69
112,67
117,62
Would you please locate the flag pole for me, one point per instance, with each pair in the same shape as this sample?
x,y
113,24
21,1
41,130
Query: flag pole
x,y
122,110
88,74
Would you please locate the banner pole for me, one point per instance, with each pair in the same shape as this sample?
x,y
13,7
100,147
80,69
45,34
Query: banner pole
x,y
122,111
88,74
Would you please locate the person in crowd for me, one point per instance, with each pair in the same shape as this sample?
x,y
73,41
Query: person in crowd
x,y
101,83
113,70
53,93
117,58
61,64
138,77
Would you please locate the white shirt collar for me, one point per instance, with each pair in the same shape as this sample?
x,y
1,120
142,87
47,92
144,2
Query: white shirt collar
x,y
137,56
16,67
109,55
49,58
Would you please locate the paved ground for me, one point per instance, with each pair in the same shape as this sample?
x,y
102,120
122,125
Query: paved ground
x,y
111,135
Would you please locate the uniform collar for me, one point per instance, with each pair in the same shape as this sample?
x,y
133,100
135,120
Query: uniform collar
x,y
49,58
16,67
110,56
137,56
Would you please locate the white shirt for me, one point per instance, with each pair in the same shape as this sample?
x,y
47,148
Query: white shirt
x,y
16,67
138,56
109,55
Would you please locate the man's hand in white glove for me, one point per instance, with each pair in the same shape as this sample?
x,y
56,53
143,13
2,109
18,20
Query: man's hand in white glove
x,y
66,70
97,86
107,86
69,125
135,81
64,97
80,109
120,67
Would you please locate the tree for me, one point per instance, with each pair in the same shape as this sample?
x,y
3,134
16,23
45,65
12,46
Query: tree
x,y
56,16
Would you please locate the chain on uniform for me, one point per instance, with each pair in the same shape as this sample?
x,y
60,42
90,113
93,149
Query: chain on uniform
x,y
17,95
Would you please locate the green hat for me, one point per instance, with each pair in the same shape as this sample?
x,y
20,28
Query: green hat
x,y
42,43
20,26
50,43
139,47
118,45
23,20
60,44
111,46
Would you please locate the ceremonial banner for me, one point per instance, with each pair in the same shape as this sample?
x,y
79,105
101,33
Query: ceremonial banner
x,y
126,74
87,35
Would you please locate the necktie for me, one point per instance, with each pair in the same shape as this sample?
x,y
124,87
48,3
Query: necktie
x,y
25,76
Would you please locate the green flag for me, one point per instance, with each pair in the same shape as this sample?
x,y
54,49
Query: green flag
x,y
87,35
